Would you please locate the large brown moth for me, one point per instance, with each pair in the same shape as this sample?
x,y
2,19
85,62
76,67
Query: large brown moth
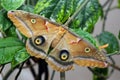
x,y
66,48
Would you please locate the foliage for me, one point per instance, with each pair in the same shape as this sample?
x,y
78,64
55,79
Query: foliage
x,y
110,39
4,22
12,49
11,4
118,3
8,48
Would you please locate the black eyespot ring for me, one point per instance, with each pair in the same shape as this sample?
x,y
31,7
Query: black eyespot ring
x,y
39,40
87,49
33,21
64,55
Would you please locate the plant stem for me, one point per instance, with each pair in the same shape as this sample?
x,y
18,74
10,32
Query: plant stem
x,y
114,66
42,69
105,3
62,75
115,53
113,8
31,69
112,70
2,68
53,73
28,2
105,16
76,13
8,74
20,69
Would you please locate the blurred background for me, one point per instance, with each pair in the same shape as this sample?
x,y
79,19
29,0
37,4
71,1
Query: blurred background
x,y
82,73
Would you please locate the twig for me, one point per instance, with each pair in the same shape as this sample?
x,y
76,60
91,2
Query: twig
x,y
8,74
105,16
20,36
105,3
2,68
46,73
62,75
114,66
77,12
115,53
28,2
31,68
52,76
112,70
42,68
20,69
115,7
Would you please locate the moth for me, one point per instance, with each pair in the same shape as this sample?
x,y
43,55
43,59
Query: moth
x,y
60,48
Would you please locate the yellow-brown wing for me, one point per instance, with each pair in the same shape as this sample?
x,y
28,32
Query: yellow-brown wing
x,y
30,24
34,26
60,58
84,53
38,46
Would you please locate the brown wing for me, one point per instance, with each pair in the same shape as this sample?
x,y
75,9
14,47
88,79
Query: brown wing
x,y
83,53
38,46
60,58
30,24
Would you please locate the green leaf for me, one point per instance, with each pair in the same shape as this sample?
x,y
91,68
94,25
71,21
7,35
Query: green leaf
x,y
10,42
88,16
108,38
45,7
8,48
28,8
61,10
11,32
103,72
11,4
4,22
20,57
